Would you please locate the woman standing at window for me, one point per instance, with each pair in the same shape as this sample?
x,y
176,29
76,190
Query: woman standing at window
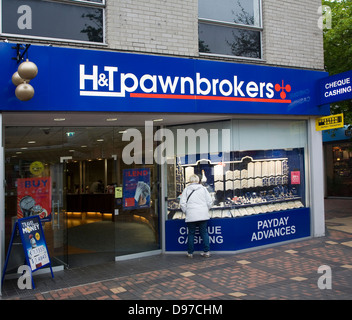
x,y
195,202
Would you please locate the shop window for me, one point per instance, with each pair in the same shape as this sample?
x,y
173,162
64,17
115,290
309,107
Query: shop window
x,y
342,160
339,183
232,28
263,172
57,20
95,1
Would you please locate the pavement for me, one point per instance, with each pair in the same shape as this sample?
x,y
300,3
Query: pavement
x,y
310,269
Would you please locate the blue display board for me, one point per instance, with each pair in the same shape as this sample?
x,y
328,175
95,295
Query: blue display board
x,y
242,233
92,80
33,242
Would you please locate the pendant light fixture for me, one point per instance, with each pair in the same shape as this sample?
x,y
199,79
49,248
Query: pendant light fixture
x,y
27,71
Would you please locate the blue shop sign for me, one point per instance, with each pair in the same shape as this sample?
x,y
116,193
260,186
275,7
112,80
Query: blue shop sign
x,y
337,134
336,88
242,233
90,80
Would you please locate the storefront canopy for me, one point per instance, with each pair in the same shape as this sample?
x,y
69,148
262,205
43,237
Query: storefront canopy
x,y
90,80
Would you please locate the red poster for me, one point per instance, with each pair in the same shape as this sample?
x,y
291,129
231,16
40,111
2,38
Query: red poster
x,y
295,177
34,197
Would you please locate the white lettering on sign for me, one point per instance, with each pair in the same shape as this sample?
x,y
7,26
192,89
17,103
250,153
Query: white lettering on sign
x,y
337,92
215,235
160,86
337,83
29,226
271,228
338,87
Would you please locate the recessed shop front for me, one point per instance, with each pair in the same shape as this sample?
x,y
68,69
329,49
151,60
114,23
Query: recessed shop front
x,y
88,222
139,127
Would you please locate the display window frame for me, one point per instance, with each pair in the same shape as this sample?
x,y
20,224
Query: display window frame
x,y
249,28
26,32
291,216
244,182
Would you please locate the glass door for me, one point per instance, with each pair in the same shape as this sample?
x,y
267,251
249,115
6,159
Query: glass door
x,y
35,186
58,216
90,176
90,207
137,218
93,216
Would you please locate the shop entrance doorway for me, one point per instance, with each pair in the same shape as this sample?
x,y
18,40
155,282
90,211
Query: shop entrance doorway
x,y
89,221
90,207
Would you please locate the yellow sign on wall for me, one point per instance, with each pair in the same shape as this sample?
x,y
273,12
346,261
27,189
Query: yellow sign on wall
x,y
118,192
330,122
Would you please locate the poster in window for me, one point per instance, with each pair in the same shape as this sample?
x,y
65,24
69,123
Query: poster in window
x,y
295,177
34,198
136,188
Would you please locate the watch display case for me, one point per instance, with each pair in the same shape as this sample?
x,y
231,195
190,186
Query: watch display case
x,y
247,183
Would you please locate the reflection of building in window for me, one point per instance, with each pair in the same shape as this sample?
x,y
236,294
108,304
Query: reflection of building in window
x,y
230,28
64,20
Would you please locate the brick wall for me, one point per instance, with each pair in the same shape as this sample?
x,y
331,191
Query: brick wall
x,y
155,26
291,34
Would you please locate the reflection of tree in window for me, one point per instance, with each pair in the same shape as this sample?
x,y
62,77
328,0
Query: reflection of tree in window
x,y
245,43
202,46
94,29
243,17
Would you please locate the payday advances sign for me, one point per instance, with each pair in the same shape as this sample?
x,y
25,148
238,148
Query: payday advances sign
x,y
245,232
93,80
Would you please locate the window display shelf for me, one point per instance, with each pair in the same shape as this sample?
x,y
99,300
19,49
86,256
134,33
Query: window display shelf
x,y
253,183
235,175
233,210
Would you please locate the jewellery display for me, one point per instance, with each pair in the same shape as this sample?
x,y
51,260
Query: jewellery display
x,y
247,186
